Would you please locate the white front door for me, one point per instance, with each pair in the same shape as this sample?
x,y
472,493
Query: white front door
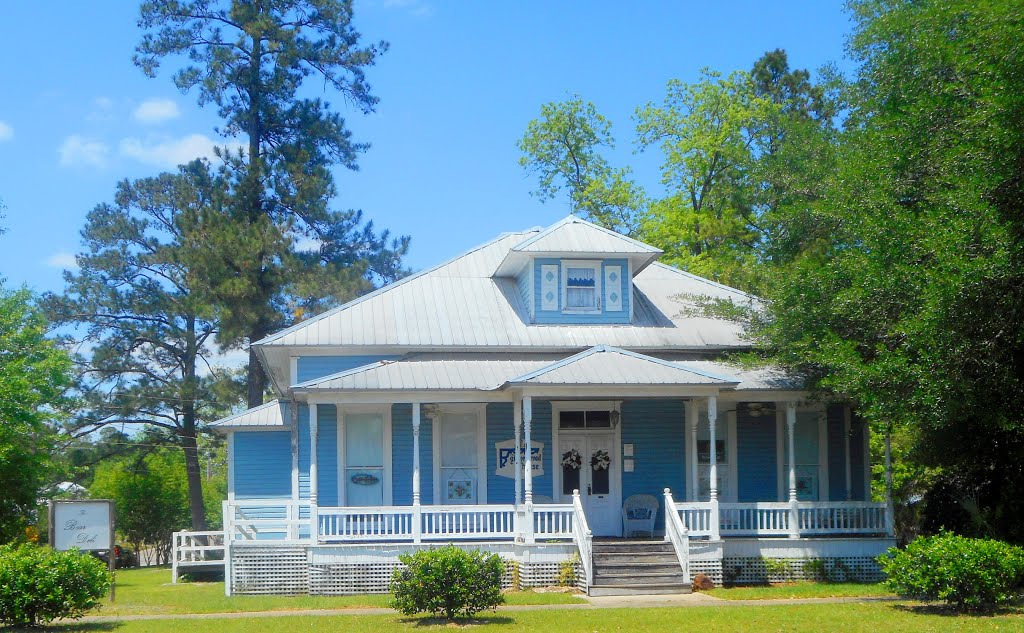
x,y
588,462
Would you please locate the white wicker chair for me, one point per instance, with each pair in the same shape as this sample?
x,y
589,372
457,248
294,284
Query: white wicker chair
x,y
638,514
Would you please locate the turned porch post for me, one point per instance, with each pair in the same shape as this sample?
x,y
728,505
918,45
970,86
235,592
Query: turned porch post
x,y
517,424
713,459
794,508
889,519
846,450
417,521
528,468
314,432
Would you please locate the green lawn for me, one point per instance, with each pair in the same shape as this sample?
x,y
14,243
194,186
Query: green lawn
x,y
801,590
854,617
148,591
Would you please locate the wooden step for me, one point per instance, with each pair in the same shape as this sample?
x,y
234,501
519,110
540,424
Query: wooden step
x,y
626,578
614,558
641,589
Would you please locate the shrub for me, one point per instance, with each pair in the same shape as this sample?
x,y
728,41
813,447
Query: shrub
x,y
567,571
447,581
38,584
967,573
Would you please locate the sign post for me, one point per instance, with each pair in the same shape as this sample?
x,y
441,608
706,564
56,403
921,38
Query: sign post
x,y
84,525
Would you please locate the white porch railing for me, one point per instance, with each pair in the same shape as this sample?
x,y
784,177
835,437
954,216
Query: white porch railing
x,y
804,518
266,519
554,520
583,537
675,533
193,550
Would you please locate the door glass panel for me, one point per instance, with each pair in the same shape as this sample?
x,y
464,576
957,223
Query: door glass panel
x,y
704,457
364,459
600,471
459,458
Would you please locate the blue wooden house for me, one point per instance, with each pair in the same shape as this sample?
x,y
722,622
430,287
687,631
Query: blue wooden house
x,y
551,396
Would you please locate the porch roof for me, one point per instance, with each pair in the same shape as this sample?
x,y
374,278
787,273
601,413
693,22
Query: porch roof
x,y
598,366
606,365
269,414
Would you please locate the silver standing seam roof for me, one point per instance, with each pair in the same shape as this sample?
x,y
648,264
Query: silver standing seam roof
x,y
272,413
461,306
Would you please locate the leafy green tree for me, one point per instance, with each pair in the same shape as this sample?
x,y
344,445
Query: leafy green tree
x,y
563,147
145,315
150,492
707,132
35,375
251,59
912,304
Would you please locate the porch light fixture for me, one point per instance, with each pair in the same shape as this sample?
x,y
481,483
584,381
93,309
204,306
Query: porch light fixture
x,y
614,416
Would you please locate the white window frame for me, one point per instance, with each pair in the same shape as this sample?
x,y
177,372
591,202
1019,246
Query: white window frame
x,y
342,412
598,269
436,422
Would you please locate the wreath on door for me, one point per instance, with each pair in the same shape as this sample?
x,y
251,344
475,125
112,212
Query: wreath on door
x,y
601,460
572,459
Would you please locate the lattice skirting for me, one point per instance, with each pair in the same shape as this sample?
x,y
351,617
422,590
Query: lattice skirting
x,y
763,570
289,571
710,568
270,570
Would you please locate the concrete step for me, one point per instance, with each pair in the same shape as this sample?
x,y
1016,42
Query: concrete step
x,y
639,589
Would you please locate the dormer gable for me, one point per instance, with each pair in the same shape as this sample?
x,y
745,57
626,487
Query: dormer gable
x,y
575,272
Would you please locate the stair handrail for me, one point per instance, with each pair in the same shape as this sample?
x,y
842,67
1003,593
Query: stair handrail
x,y
677,534
583,536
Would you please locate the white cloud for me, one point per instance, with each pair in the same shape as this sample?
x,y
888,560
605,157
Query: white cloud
x,y
103,103
6,132
62,260
77,150
169,152
418,8
156,111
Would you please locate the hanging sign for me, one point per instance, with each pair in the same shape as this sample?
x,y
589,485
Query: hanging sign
x,y
506,462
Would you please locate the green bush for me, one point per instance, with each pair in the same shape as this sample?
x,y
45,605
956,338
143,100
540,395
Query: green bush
x,y
38,584
969,574
447,581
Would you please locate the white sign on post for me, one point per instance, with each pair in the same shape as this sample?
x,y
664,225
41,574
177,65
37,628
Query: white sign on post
x,y
506,456
84,525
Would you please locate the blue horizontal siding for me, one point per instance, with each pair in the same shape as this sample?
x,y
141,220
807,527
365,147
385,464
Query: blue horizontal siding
x,y
262,464
326,454
499,428
310,367
401,456
655,428
756,457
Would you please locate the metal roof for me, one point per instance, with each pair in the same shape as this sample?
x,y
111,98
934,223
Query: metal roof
x,y
460,305
600,365
273,413
603,365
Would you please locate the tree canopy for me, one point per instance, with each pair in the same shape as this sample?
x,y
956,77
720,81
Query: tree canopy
x,y
253,60
35,375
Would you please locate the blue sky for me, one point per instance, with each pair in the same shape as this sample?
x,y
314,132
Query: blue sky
x,y
457,88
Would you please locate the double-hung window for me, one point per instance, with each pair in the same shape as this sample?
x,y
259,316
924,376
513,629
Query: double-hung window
x,y
581,285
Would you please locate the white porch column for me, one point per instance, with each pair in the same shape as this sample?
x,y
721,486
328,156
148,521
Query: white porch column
x,y
794,509
417,519
692,416
517,425
528,468
314,479
713,474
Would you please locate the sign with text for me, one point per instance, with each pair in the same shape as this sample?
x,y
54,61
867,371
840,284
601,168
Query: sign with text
x,y
84,525
507,458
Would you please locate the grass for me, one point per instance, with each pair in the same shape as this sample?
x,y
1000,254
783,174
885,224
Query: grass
x,y
149,592
854,617
801,590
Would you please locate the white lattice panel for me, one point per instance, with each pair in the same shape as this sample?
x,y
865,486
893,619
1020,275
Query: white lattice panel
x,y
710,568
761,570
269,570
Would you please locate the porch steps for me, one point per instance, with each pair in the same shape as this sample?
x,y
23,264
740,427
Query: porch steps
x,y
635,567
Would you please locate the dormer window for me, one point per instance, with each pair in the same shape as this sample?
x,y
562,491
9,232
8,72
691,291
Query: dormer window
x,y
581,286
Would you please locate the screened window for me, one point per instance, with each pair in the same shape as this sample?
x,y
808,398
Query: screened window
x,y
364,459
459,458
581,281
704,457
